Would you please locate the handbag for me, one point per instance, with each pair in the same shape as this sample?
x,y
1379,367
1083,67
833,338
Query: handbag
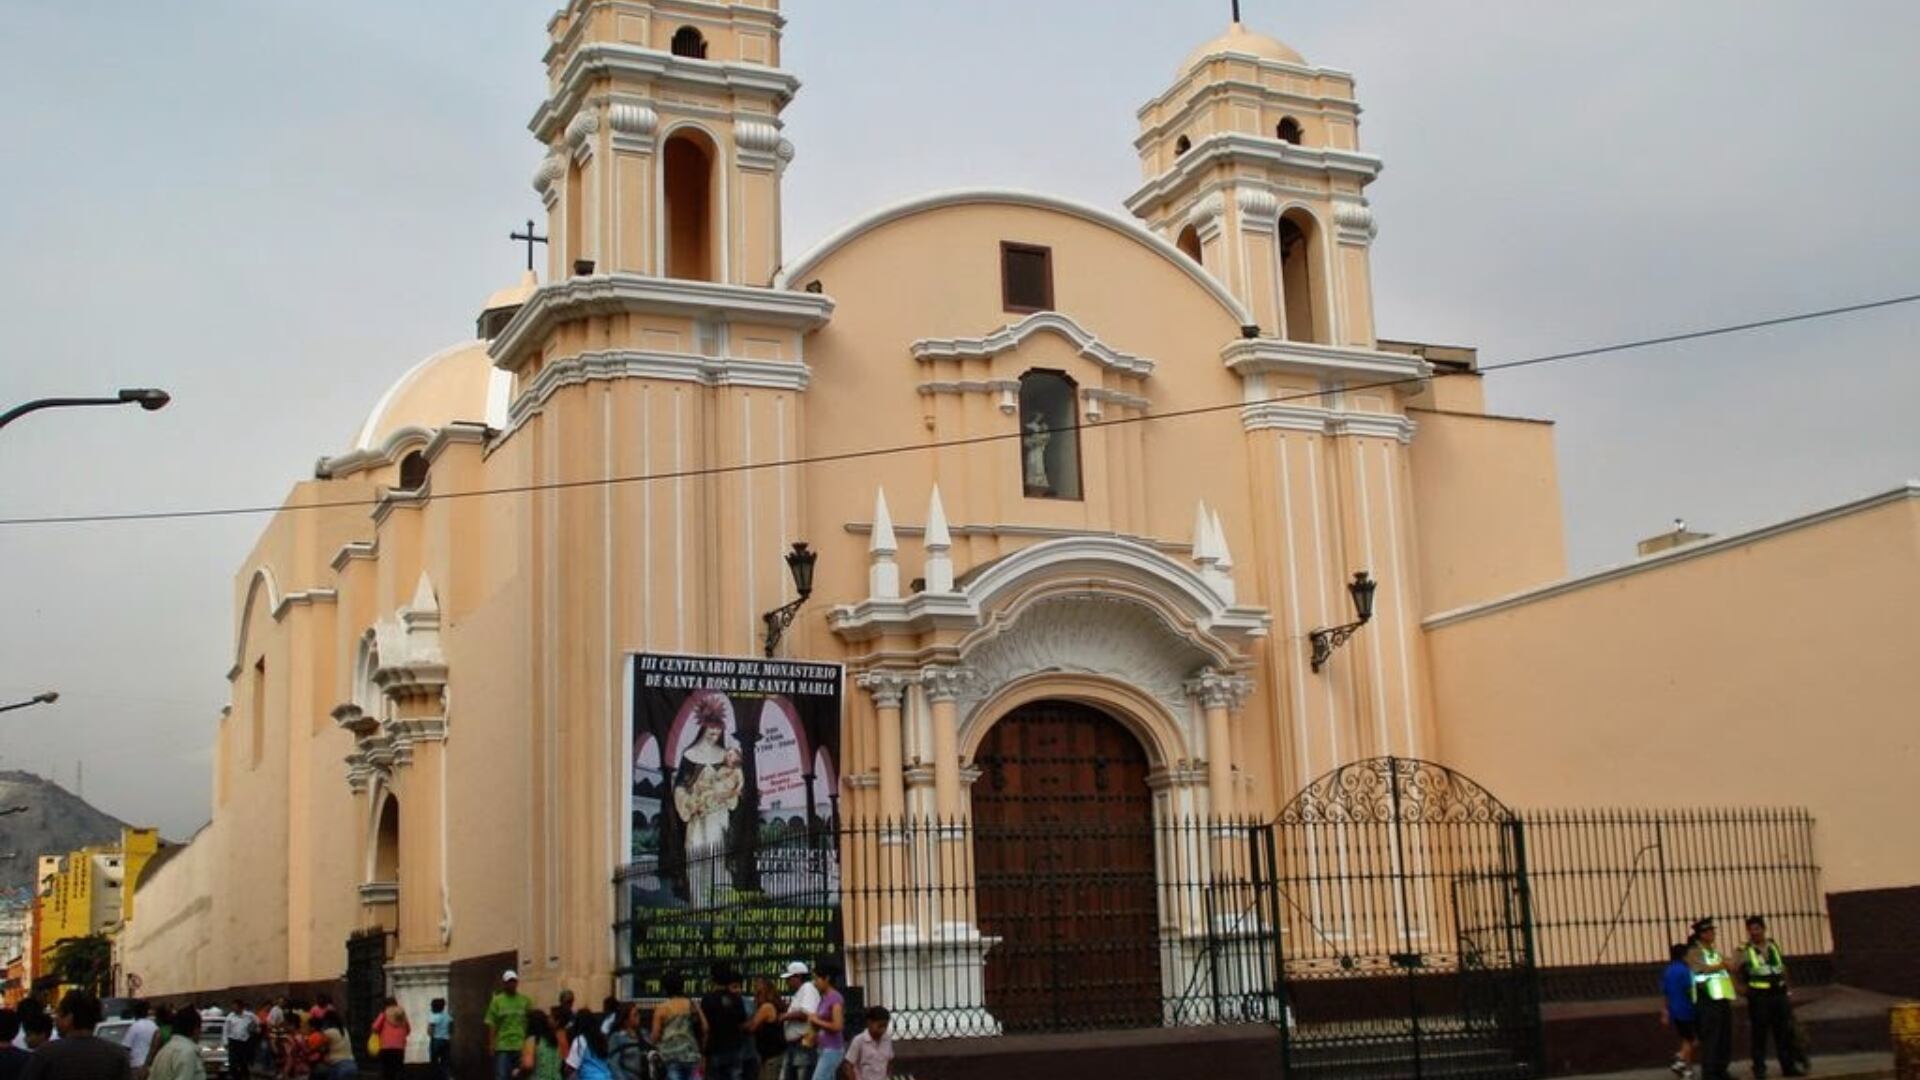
x,y
846,1071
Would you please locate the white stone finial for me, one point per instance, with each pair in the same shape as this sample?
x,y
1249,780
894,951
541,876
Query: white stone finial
x,y
1220,547
1204,552
883,573
939,573
1223,560
883,540
423,598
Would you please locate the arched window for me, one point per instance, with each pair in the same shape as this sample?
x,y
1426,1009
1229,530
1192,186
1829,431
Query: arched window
x,y
690,43
413,471
1302,292
1289,131
1189,242
1181,146
1049,436
386,842
688,161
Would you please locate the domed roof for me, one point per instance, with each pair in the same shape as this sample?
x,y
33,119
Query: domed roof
x,y
1242,41
453,384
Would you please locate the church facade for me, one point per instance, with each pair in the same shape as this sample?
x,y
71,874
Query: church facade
x,y
1063,468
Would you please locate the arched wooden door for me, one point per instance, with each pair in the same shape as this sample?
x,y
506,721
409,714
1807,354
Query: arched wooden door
x,y
1064,866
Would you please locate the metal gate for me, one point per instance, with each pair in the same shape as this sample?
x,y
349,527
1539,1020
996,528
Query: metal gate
x,y
366,984
1407,931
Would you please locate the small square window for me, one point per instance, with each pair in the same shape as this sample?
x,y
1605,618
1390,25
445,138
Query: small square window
x,y
1026,277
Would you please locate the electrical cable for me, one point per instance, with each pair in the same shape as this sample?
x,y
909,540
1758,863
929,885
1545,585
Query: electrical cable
x,y
966,440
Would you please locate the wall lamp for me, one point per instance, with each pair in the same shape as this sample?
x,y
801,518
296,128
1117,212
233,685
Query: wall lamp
x,y
1327,639
800,564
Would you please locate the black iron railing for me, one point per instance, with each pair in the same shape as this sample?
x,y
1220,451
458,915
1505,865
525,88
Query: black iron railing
x,y
1614,889
965,929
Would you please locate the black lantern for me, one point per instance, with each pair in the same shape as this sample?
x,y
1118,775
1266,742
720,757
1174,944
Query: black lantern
x,y
800,564
1327,639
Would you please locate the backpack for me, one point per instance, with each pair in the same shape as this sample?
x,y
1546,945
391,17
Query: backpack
x,y
591,1067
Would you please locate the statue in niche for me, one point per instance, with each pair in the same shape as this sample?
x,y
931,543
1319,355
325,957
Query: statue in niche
x,y
1034,444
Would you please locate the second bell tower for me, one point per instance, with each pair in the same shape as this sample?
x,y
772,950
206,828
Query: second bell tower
x,y
664,140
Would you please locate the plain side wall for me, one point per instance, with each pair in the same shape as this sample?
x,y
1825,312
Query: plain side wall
x,y
1779,671
1486,495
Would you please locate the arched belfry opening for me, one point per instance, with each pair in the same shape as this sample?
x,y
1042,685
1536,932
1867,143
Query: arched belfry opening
x,y
1289,131
690,43
1303,292
1064,849
1189,242
689,158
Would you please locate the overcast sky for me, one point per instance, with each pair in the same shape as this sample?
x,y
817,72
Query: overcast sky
x,y
273,208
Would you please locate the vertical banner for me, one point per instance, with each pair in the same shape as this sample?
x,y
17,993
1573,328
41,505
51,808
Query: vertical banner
x,y
734,772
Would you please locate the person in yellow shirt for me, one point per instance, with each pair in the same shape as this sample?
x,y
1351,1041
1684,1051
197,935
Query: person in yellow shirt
x,y
1763,971
1713,997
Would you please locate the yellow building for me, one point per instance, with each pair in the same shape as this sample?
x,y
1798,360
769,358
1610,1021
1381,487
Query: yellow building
x,y
1135,465
90,891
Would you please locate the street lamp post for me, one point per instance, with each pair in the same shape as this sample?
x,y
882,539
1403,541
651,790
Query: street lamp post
x,y
146,397
47,697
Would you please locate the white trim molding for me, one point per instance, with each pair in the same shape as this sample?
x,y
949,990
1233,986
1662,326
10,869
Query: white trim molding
x,y
1010,337
804,267
603,60
1269,415
1661,560
1262,356
613,364
1125,564
1223,149
624,293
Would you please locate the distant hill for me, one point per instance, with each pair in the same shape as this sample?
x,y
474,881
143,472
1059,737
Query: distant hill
x,y
55,822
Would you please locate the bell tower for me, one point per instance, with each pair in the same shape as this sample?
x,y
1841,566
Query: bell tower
x,y
1252,167
663,135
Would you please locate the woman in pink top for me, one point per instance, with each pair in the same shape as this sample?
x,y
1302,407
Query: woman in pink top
x,y
391,1028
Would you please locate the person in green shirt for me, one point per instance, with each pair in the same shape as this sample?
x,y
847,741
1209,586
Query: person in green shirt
x,y
507,1025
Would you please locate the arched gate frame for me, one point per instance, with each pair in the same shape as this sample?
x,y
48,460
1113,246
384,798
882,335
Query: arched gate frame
x,y
1407,930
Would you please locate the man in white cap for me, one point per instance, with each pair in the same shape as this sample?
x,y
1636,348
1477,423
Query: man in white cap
x,y
805,1002
507,1025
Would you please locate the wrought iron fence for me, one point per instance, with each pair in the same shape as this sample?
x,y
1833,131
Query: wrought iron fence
x,y
1614,889
965,929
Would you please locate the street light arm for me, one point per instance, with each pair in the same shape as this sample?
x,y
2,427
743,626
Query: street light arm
x,y
145,397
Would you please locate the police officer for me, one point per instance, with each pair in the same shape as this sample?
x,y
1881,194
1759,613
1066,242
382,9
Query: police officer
x,y
1764,971
1713,997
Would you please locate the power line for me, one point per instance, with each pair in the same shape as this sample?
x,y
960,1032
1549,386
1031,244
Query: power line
x,y
966,440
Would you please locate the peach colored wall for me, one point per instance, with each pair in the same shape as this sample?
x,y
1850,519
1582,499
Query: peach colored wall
x,y
1772,672
1486,495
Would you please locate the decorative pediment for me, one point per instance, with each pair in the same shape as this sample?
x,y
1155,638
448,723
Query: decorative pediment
x,y
1091,634
1008,338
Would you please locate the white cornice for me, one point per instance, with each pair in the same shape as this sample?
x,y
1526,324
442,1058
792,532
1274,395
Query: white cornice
x,y
1195,72
1084,557
1226,147
304,598
804,267
1170,547
1672,556
344,465
669,367
611,294
632,63
1261,356
1010,337
1296,103
1268,415
354,549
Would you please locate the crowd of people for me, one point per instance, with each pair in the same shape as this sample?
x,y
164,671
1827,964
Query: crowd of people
x,y
1701,986
727,1033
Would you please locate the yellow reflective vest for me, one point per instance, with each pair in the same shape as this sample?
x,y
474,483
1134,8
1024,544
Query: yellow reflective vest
x,y
1766,969
1711,985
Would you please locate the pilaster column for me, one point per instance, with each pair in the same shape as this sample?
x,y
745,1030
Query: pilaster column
x,y
942,686
888,689
1218,694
